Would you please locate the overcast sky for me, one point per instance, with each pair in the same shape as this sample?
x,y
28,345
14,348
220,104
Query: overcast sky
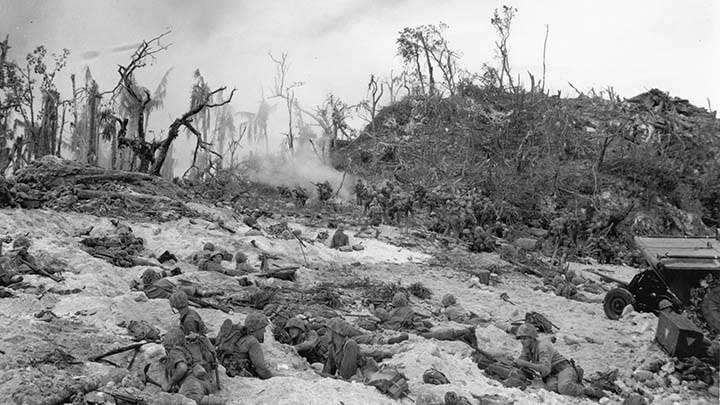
x,y
333,45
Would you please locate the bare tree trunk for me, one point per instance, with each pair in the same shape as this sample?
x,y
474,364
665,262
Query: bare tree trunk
x,y
431,77
44,137
290,136
547,31
75,137
58,146
168,168
419,71
92,136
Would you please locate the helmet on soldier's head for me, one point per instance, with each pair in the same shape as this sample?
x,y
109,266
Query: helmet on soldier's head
x,y
173,337
256,321
296,323
664,304
149,276
178,300
208,246
21,241
526,330
240,257
399,299
448,299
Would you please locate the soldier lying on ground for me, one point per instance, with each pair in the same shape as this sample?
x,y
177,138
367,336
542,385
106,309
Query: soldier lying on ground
x,y
19,260
239,349
457,313
8,276
401,316
558,374
122,249
197,257
154,284
241,264
214,263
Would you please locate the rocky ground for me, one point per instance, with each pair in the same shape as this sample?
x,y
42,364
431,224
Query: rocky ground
x,y
48,332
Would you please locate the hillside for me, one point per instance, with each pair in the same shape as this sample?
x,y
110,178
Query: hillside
x,y
585,168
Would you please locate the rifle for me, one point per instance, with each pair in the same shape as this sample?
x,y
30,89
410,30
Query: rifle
x,y
133,346
206,304
38,270
125,398
146,378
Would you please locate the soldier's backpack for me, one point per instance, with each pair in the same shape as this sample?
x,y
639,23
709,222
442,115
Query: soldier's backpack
x,y
228,335
435,377
390,382
203,352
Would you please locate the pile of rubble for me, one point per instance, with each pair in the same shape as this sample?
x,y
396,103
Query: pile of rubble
x,y
66,185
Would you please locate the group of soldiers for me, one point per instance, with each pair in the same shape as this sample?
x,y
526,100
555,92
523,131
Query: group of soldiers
x,y
332,346
385,203
468,216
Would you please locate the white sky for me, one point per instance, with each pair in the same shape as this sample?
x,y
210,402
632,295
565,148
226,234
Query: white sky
x,y
334,45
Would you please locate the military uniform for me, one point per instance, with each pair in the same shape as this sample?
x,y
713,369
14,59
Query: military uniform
x,y
247,359
198,387
557,372
402,316
239,351
177,359
307,342
339,239
456,312
376,213
193,327
345,359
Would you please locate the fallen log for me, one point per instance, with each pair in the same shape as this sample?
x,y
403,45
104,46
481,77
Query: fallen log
x,y
126,177
83,194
